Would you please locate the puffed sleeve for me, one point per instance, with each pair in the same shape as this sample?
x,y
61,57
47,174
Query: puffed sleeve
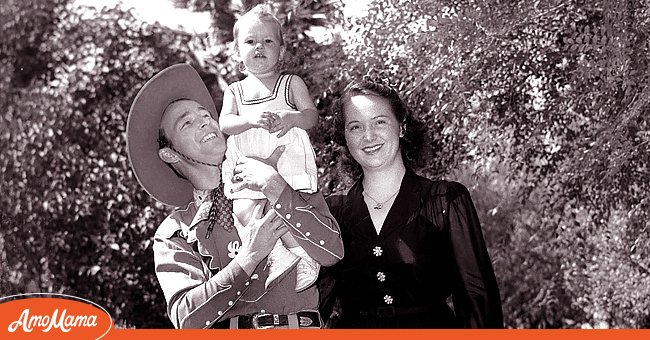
x,y
194,299
311,224
476,300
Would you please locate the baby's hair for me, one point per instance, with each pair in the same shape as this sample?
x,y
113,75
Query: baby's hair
x,y
261,13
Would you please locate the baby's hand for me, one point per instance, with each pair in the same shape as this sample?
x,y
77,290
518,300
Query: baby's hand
x,y
263,120
283,123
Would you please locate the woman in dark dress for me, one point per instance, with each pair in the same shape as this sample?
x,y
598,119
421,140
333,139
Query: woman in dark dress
x,y
414,251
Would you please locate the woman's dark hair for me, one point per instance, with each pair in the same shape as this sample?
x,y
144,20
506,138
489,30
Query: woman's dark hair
x,y
412,128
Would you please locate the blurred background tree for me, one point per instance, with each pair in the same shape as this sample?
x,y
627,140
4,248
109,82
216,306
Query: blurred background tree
x,y
539,107
72,219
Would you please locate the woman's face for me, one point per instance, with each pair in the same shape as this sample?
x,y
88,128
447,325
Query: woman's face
x,y
372,132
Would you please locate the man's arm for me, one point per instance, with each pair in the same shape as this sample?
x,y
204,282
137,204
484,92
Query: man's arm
x,y
309,221
196,300
307,215
186,286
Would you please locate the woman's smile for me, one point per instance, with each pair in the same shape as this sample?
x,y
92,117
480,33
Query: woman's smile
x,y
372,149
372,132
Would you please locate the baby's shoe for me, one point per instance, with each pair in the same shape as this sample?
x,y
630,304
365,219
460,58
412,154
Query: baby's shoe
x,y
307,269
279,262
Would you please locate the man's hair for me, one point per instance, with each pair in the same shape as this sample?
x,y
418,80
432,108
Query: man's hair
x,y
261,13
163,140
412,128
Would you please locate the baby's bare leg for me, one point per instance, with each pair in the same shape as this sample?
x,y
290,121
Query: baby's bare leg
x,y
243,209
286,253
308,268
289,241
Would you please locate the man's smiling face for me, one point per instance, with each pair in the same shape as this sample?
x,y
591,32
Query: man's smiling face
x,y
192,130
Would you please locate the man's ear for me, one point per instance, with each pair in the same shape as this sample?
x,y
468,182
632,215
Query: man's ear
x,y
168,156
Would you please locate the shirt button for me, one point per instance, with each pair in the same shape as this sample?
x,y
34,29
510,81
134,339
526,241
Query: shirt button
x,y
238,293
220,313
207,323
262,311
307,234
298,225
229,303
381,276
377,251
288,216
254,276
246,283
388,299
321,242
278,206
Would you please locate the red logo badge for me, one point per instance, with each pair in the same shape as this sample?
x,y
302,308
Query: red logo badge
x,y
38,315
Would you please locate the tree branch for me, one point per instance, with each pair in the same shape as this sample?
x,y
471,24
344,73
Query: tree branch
x,y
427,76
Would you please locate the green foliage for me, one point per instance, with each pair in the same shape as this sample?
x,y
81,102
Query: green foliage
x,y
74,219
222,16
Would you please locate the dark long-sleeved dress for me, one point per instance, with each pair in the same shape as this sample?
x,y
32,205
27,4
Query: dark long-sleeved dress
x,y
430,248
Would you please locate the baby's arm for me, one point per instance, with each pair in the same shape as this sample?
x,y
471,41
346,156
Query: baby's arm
x,y
232,123
308,116
305,117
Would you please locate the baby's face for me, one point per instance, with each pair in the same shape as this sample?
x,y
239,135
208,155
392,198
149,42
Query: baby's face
x,y
259,46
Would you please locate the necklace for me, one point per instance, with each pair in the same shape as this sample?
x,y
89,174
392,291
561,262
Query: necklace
x,y
380,205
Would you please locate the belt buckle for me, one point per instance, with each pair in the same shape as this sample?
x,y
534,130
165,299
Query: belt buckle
x,y
309,319
255,322
386,312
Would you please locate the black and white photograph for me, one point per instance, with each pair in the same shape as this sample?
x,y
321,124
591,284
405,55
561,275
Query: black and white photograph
x,y
329,164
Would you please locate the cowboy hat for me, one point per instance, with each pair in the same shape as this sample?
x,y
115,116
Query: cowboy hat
x,y
179,81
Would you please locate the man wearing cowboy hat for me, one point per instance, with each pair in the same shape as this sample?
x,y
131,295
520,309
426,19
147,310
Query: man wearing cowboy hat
x,y
212,271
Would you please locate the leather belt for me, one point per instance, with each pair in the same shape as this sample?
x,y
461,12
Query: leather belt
x,y
302,319
391,312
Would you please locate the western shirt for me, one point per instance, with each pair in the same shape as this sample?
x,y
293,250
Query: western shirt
x,y
200,290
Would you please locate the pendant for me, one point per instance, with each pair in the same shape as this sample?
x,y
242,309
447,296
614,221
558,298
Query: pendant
x,y
378,206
